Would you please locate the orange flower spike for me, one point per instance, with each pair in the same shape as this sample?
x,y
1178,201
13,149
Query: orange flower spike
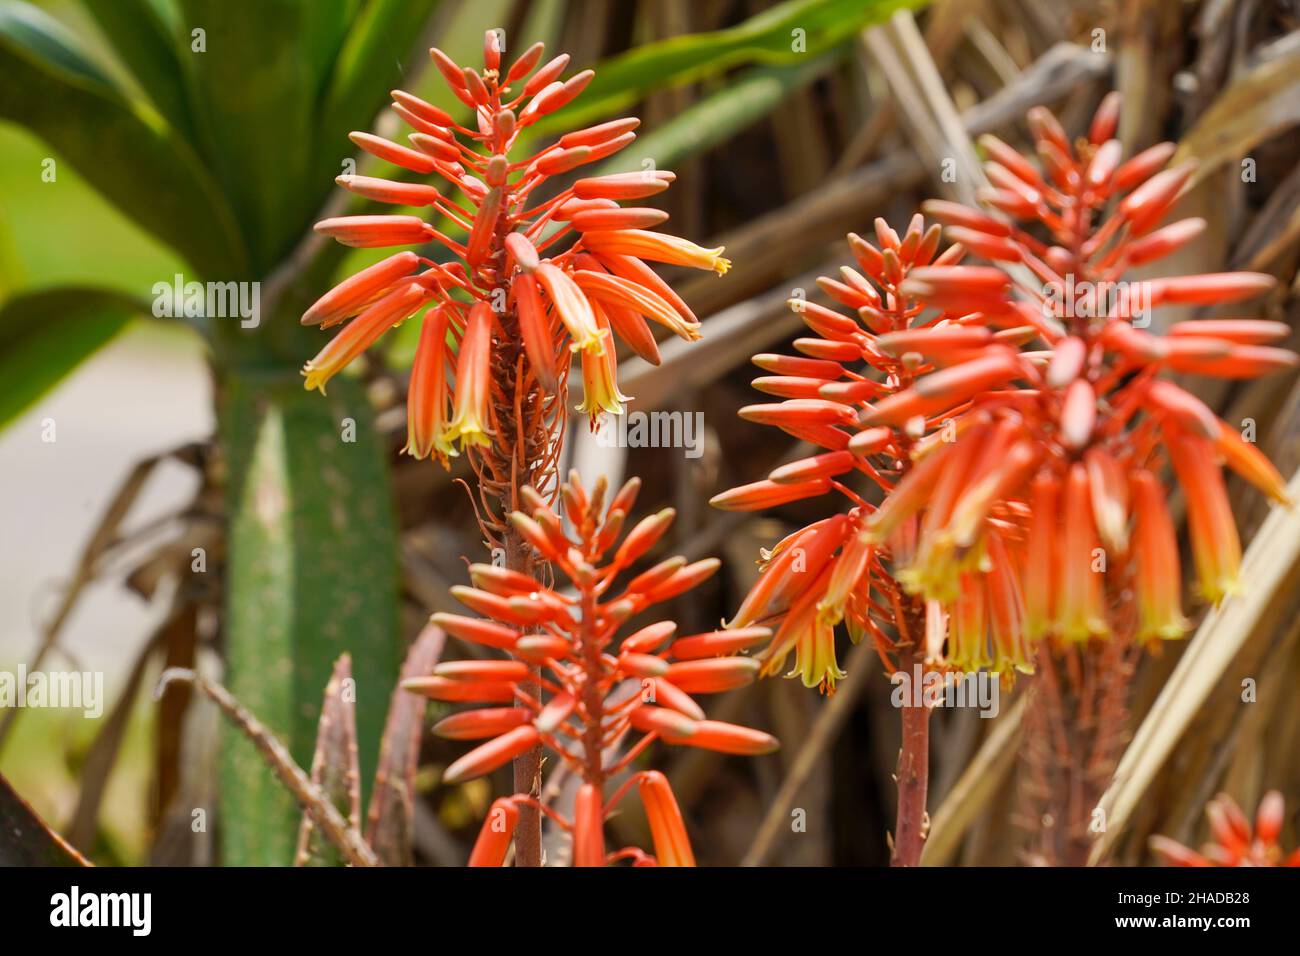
x,y
494,836
1157,575
588,827
469,424
581,706
426,403
494,194
667,829
1079,610
1215,544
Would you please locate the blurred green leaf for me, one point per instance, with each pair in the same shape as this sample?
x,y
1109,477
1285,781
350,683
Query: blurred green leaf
x,y
715,119
312,573
148,49
44,335
367,67
790,32
25,840
124,150
254,91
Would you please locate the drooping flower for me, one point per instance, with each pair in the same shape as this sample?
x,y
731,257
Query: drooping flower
x,y
516,254
603,700
1234,841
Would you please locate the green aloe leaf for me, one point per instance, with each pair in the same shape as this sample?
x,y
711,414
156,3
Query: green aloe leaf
x,y
124,149
145,43
252,70
312,573
369,64
715,119
44,335
790,32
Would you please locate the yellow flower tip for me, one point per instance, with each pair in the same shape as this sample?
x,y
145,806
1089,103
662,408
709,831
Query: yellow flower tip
x,y
593,345
720,265
315,378
1169,631
466,434
1218,590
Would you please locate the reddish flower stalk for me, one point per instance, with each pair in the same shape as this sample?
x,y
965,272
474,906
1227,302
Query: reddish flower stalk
x,y
599,705
1234,841
1020,446
524,275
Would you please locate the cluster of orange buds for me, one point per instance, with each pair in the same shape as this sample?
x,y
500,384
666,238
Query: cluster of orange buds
x,y
1235,842
850,392
595,697
498,285
1019,442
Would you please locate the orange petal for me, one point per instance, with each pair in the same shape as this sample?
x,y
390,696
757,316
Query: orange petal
x,y
588,827
672,846
494,837
487,757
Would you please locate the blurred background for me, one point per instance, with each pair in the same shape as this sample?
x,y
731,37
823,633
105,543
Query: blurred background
x,y
141,139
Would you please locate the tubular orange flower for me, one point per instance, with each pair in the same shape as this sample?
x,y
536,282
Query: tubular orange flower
x,y
473,370
1157,574
427,393
494,838
363,331
672,846
657,248
1214,532
1080,614
588,711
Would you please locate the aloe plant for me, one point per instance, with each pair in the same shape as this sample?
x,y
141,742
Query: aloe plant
x,y
225,159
